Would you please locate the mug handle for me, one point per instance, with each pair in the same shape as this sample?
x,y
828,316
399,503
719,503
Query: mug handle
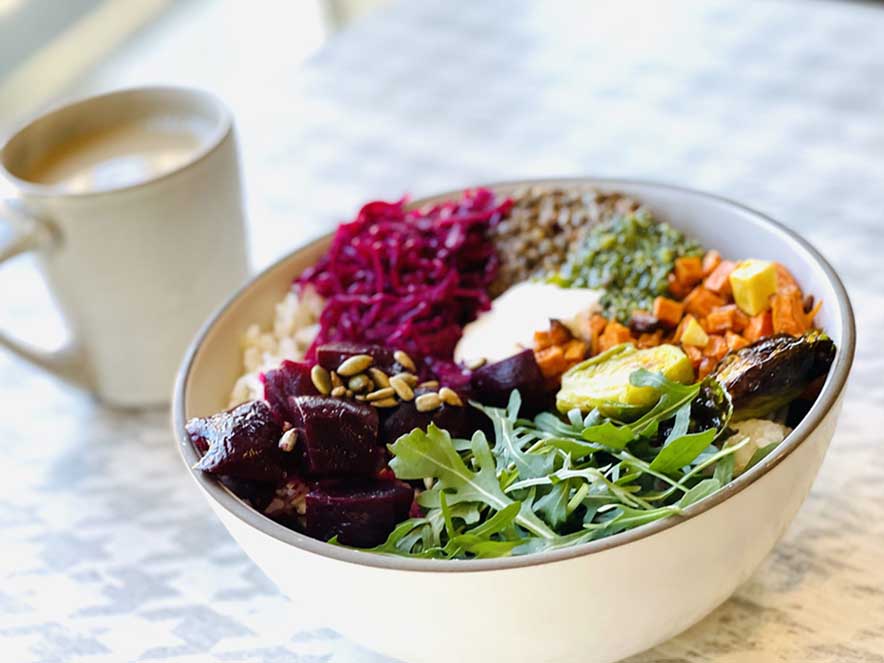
x,y
21,233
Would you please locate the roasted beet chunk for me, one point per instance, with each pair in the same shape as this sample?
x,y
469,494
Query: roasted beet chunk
x,y
458,421
360,514
292,378
257,493
338,436
242,443
332,355
493,383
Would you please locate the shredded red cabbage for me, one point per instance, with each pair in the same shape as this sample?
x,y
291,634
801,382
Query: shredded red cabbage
x,y
408,279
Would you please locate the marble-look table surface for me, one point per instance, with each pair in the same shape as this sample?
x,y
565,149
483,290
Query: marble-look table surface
x,y
110,554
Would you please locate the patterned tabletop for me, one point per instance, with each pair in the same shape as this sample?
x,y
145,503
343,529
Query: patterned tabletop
x,y
110,554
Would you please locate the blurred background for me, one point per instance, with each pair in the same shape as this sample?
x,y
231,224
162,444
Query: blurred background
x,y
50,49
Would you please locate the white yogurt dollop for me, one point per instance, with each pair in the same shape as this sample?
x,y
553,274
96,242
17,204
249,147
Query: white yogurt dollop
x,y
509,326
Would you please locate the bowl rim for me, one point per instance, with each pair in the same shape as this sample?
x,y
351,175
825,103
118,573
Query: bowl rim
x,y
828,397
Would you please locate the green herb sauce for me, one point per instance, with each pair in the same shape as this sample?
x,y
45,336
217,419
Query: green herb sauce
x,y
630,257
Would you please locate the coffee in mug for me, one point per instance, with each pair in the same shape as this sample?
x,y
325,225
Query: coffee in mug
x,y
132,204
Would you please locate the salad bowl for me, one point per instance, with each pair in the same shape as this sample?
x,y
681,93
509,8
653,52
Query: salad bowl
x,y
560,605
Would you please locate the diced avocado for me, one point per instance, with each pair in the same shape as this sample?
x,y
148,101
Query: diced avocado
x,y
693,333
603,381
753,282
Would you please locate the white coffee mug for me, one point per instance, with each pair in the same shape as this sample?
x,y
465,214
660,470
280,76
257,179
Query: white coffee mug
x,y
137,252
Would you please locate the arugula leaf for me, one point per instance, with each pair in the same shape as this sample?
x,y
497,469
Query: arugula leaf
x,y
422,454
554,504
681,451
673,396
405,536
724,469
576,418
549,422
479,542
422,537
577,449
609,434
618,520
507,447
703,489
759,455
624,518
599,484
680,426
535,545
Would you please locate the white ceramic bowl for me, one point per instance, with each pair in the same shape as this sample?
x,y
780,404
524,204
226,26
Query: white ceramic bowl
x,y
600,601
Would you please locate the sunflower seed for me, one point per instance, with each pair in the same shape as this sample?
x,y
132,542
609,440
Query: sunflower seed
x,y
404,360
359,383
321,380
476,364
335,380
429,384
379,378
339,392
450,397
288,440
427,402
380,394
410,378
355,364
401,388
385,402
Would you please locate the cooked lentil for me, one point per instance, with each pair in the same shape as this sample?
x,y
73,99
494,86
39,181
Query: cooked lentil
x,y
542,226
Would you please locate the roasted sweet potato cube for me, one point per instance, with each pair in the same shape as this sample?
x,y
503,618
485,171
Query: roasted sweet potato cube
x,y
676,335
716,347
689,270
759,326
718,321
575,351
597,325
614,334
741,320
726,318
707,365
785,281
694,353
718,280
711,260
551,361
701,301
542,340
668,312
734,341
787,313
650,340
559,334
677,288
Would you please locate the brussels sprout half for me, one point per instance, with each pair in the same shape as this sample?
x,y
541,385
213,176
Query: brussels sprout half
x,y
763,377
